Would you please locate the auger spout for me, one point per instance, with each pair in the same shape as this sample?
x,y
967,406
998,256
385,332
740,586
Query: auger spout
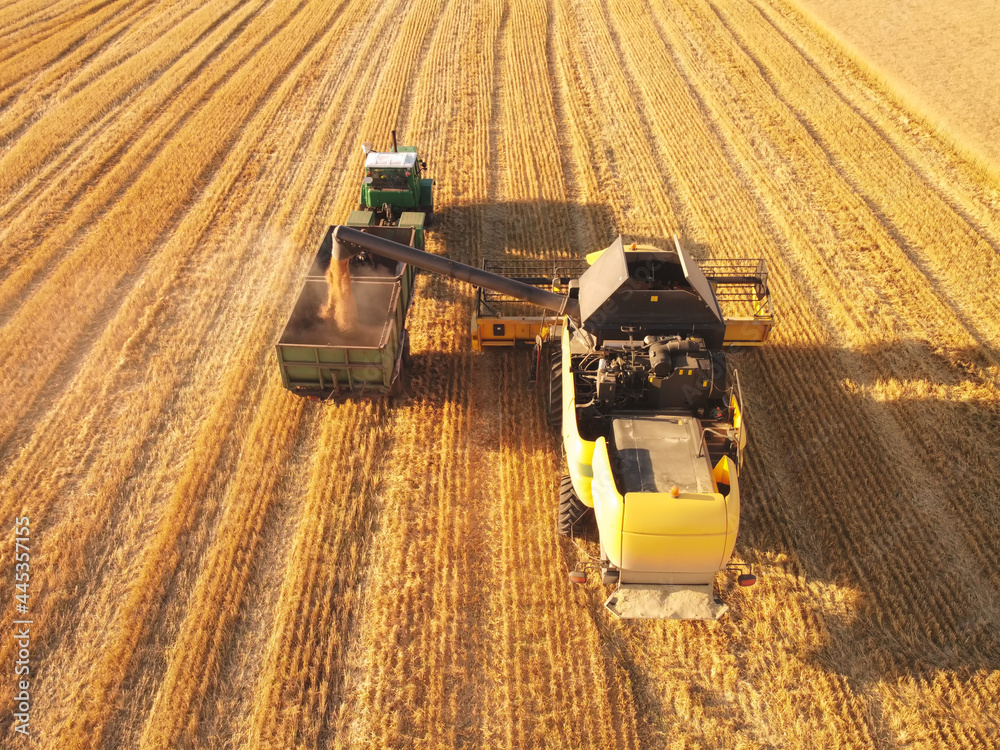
x,y
348,242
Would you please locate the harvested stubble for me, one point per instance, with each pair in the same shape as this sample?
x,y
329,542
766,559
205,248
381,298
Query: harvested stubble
x,y
216,563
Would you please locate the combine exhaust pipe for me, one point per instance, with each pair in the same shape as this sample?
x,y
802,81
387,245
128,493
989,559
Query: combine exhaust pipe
x,y
349,242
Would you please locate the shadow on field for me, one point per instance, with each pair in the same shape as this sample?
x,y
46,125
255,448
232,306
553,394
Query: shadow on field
x,y
528,229
870,493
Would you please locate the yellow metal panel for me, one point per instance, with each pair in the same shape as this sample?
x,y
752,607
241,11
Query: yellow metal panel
x,y
673,553
685,534
738,425
748,331
725,472
579,452
475,333
514,330
608,504
690,514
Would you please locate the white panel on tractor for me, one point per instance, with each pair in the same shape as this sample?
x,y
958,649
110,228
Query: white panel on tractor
x,y
404,160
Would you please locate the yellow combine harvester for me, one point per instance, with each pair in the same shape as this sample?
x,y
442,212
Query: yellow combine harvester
x,y
650,415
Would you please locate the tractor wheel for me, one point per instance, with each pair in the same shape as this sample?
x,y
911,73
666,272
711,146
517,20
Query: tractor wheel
x,y
571,508
555,390
428,218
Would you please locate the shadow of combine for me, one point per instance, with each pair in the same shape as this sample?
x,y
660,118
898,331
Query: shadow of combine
x,y
528,229
870,490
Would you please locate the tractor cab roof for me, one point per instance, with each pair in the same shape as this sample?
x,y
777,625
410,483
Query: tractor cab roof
x,y
391,160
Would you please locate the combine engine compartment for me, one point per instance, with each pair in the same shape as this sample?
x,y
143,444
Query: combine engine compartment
x,y
662,422
659,374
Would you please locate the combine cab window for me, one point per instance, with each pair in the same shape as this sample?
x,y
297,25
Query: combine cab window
x,y
389,179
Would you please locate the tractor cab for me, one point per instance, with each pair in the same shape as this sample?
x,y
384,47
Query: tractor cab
x,y
394,183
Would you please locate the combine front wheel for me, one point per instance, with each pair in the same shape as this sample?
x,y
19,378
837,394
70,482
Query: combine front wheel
x,y
571,508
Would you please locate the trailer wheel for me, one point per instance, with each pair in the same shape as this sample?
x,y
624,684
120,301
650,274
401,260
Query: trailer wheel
x,y
407,360
571,508
555,389
398,385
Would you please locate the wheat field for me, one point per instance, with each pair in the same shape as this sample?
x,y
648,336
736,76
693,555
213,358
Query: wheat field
x,y
216,563
944,57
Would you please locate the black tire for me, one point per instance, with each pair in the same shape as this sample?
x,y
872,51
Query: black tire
x,y
399,384
428,218
571,508
407,360
555,389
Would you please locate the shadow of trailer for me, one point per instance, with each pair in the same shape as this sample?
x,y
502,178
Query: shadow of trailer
x,y
317,359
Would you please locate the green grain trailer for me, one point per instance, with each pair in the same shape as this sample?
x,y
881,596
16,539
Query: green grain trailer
x,y
316,359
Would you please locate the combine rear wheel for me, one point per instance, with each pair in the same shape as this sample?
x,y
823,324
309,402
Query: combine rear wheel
x,y
555,390
571,508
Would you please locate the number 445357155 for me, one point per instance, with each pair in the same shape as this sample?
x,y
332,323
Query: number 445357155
x,y
22,573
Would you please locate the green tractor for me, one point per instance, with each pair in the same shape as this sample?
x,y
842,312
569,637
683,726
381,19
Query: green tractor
x,y
394,183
